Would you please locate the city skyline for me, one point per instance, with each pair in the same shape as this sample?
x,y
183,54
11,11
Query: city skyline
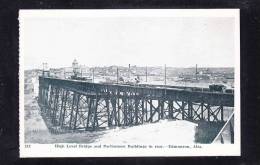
x,y
127,66
145,41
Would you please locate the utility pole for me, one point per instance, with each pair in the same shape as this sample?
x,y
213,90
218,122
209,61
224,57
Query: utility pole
x,y
81,71
129,70
196,72
146,74
93,75
164,74
44,66
43,69
117,75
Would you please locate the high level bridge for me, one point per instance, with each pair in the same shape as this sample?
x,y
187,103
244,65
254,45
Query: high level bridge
x,y
79,105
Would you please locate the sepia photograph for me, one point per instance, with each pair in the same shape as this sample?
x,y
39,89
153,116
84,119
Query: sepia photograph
x,y
129,83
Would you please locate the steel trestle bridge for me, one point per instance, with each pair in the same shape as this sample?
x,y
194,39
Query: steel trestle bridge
x,y
80,105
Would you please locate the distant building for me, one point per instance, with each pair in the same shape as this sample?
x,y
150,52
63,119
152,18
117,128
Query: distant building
x,y
76,68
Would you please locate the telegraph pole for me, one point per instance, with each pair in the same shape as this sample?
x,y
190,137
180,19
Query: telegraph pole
x,y
43,69
93,75
129,70
196,72
117,75
146,74
44,66
164,74
81,71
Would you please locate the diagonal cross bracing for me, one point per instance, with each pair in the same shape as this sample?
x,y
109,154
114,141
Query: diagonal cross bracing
x,y
78,105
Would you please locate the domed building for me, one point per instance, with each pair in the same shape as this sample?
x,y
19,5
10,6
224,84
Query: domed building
x,y
75,67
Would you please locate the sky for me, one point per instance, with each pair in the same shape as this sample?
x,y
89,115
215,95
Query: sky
x,y
141,41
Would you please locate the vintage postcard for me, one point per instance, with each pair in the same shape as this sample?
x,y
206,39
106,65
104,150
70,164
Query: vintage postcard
x,y
129,83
